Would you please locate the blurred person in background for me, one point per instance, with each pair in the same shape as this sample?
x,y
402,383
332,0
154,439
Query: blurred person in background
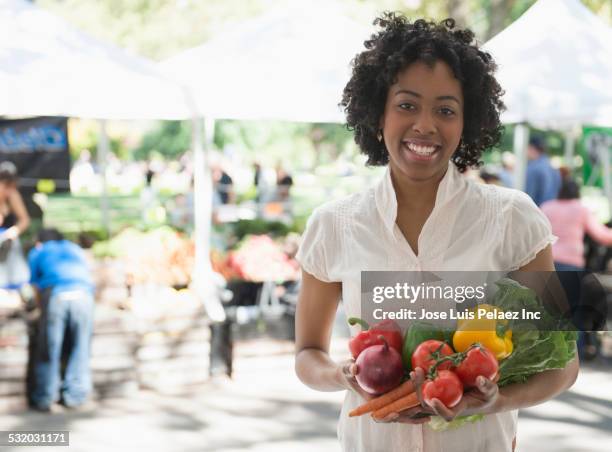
x,y
258,181
82,174
284,182
506,175
223,184
61,276
490,178
542,181
570,221
14,220
148,196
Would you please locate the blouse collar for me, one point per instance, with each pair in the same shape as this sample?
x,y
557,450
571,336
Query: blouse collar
x,y
386,200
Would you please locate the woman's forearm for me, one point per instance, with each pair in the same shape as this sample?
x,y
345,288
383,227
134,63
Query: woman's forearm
x,y
318,371
23,223
537,389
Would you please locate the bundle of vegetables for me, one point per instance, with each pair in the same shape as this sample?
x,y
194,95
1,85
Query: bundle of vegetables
x,y
506,351
380,369
259,258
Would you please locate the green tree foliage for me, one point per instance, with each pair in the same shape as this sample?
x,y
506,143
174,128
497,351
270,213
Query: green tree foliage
x,y
169,139
161,28
155,28
266,141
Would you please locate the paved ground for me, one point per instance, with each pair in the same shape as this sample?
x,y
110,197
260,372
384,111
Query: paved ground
x,y
264,408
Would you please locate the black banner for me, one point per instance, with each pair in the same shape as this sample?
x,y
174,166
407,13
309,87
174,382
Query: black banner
x,y
39,149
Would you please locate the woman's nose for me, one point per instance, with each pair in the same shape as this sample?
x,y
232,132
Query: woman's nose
x,y
424,124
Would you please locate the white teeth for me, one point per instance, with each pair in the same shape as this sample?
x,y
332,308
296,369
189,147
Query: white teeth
x,y
421,150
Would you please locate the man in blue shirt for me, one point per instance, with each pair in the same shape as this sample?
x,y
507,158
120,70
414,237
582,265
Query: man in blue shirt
x,y
59,272
543,181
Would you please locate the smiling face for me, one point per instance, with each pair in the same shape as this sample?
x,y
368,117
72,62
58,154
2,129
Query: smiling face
x,y
423,121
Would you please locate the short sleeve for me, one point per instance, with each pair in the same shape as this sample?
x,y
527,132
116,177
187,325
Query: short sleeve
x,y
527,231
319,245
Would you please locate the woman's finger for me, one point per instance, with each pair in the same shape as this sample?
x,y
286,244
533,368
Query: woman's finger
x,y
346,369
414,415
388,418
442,411
412,420
418,377
486,387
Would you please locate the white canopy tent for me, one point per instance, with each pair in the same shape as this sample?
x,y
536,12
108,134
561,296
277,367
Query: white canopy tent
x,y
289,64
49,68
556,68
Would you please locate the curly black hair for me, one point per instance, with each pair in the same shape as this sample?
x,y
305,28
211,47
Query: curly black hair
x,y
401,43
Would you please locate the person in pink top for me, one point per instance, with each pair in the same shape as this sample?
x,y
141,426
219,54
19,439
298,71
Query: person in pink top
x,y
570,220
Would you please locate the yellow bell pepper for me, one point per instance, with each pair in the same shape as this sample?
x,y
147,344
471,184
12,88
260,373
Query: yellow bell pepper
x,y
489,332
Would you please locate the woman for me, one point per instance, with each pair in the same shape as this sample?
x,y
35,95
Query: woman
x,y
570,221
14,220
422,100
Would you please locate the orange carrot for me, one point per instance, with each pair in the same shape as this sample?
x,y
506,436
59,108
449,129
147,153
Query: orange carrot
x,y
389,397
409,401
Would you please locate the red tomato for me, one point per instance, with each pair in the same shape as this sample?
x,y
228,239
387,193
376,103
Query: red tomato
x,y
446,387
427,352
478,361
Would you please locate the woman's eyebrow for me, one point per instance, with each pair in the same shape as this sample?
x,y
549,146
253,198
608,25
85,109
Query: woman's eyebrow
x,y
415,94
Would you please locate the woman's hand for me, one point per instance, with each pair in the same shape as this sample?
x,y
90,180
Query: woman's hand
x,y
348,371
478,400
417,415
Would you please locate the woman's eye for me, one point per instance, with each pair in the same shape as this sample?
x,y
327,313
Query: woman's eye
x,y
406,106
447,111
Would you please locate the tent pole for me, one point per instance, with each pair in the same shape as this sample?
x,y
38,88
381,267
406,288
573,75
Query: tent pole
x,y
103,149
203,283
604,158
570,145
521,139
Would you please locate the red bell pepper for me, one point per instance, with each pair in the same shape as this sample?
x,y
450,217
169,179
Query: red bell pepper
x,y
369,336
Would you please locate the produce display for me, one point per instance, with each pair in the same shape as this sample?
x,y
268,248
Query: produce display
x,y
160,256
257,258
166,257
504,351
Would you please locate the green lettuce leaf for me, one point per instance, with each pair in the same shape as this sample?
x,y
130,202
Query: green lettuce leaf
x,y
550,345
438,424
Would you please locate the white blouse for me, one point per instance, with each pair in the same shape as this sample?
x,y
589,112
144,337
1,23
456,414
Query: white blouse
x,y
472,227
